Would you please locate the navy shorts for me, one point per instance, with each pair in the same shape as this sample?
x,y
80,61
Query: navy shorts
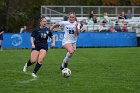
x,y
38,48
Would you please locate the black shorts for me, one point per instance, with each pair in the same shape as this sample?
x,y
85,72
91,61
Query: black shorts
x,y
38,48
1,37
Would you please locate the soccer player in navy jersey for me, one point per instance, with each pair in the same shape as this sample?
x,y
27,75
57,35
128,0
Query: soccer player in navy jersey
x,y
39,44
2,29
71,29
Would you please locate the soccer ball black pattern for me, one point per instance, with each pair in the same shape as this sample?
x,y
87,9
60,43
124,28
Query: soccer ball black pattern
x,y
66,72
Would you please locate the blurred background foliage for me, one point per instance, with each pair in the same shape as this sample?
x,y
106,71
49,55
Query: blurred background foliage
x,y
16,13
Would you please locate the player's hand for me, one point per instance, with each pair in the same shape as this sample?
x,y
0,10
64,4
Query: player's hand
x,y
76,29
76,24
53,45
33,46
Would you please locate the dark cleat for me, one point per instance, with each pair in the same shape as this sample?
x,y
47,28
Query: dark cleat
x,y
61,68
65,66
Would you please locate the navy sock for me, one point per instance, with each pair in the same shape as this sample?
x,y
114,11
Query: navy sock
x,y
29,63
37,66
0,46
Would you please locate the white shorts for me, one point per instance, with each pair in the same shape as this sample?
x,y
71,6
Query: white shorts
x,y
73,44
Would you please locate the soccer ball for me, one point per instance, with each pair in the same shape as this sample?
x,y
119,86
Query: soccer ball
x,y
66,72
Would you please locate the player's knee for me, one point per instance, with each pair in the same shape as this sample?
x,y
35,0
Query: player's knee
x,y
71,52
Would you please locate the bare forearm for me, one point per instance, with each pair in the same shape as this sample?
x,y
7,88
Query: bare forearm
x,y
77,31
1,32
53,40
54,26
32,40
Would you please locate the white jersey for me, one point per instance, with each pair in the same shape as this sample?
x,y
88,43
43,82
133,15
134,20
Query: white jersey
x,y
69,29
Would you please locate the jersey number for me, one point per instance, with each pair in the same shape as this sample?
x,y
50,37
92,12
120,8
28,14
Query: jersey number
x,y
43,35
71,31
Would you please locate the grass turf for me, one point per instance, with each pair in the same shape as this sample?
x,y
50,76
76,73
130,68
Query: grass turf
x,y
94,70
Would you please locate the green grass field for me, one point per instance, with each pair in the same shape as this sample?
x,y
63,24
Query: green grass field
x,y
94,70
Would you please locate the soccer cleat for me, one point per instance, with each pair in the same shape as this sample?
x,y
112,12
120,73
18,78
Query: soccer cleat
x,y
34,75
61,68
25,68
64,66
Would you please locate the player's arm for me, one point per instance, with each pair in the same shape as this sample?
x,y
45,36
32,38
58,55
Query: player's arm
x,y
1,32
53,41
32,42
33,35
77,29
54,26
52,38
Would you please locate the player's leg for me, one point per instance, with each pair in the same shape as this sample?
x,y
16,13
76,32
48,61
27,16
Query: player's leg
x,y
41,57
70,51
32,60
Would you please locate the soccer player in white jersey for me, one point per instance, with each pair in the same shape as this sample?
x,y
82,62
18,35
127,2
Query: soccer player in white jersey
x,y
71,29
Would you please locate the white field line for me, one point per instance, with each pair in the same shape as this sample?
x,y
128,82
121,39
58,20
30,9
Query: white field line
x,y
27,73
27,81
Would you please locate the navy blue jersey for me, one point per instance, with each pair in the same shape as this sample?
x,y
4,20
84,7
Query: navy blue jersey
x,y
41,35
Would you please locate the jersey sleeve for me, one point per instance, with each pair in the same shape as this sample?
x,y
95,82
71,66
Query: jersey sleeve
x,y
50,34
34,33
62,23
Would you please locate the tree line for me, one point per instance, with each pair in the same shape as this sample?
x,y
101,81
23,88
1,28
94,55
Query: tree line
x,y
16,13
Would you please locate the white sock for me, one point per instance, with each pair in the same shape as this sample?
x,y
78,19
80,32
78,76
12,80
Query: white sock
x,y
66,59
